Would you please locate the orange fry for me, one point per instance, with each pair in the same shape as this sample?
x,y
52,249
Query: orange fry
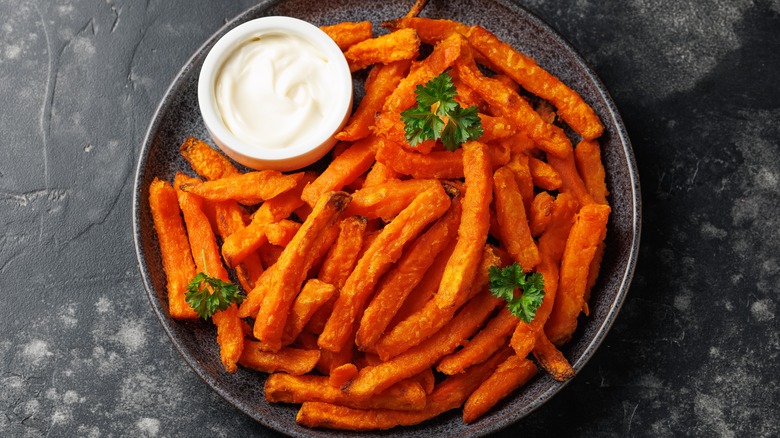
x,y
247,188
403,44
541,213
405,275
510,212
570,178
513,373
486,342
551,359
379,174
587,156
588,231
293,361
380,83
230,335
284,388
205,161
524,70
430,30
174,247
384,251
314,294
386,200
473,229
288,277
344,169
348,33
544,175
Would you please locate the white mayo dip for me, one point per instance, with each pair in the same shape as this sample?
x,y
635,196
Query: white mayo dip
x,y
273,90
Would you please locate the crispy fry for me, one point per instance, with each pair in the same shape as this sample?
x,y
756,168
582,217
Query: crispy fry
x,y
288,277
375,379
544,175
480,348
247,188
230,217
379,174
405,275
495,128
416,8
513,373
388,199
551,359
517,111
384,251
344,169
571,107
284,388
342,374
587,156
431,318
381,82
403,44
510,212
570,179
314,294
431,31
280,233
473,229
205,161
439,164
174,247
520,167
280,207
230,335
588,231
448,395
348,33
541,213
293,361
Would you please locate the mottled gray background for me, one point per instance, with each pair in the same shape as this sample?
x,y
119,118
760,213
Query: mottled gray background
x,y
694,351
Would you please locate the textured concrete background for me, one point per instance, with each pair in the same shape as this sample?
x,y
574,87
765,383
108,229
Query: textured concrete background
x,y
694,351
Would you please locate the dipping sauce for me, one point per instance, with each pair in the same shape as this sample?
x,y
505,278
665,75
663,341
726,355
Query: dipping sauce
x,y
273,90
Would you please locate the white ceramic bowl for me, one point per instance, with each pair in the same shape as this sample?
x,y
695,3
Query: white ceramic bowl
x,y
312,146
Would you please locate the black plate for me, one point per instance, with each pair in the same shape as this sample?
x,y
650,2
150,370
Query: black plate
x,y
178,117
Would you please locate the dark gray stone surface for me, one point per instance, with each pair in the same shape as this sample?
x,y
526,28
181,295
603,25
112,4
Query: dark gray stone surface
x,y
694,351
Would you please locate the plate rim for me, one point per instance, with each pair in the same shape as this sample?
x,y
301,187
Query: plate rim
x,y
590,347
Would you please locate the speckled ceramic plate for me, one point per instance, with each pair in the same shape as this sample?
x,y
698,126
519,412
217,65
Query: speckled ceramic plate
x,y
178,117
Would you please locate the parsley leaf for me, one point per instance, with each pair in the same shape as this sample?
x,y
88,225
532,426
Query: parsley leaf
x,y
435,105
503,282
207,295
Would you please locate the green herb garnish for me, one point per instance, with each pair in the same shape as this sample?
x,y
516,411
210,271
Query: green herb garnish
x,y
504,281
438,116
208,295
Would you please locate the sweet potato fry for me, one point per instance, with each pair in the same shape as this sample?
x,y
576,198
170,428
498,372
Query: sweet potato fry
x,y
174,247
417,7
203,243
517,111
513,373
379,174
388,199
466,322
230,217
438,164
384,251
430,30
284,388
473,229
431,318
280,233
205,161
524,70
544,175
480,348
314,294
541,213
345,168
403,44
381,82
587,156
405,275
280,207
342,374
570,178
288,277
510,212
587,233
247,188
293,361
448,395
348,33
495,128
551,359
521,168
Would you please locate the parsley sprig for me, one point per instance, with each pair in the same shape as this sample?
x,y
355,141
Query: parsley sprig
x,y
208,295
504,281
437,115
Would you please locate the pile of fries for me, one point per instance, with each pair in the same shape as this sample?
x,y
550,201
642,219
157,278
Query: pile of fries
x,y
366,284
